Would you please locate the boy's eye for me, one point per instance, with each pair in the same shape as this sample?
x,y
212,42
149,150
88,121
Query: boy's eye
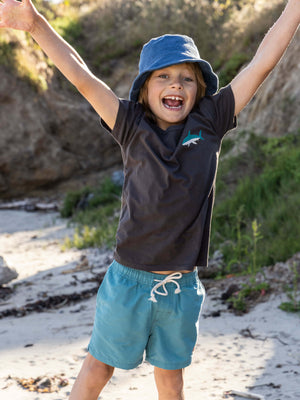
x,y
185,78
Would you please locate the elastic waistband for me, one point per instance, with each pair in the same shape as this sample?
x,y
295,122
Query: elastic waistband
x,y
148,278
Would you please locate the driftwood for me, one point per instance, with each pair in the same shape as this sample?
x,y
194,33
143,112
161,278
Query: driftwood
x,y
29,205
53,302
244,395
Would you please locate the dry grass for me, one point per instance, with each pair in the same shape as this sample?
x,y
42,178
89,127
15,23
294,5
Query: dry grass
x,y
114,31
109,34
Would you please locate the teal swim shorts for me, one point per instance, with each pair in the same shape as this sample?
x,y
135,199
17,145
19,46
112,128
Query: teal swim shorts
x,y
141,315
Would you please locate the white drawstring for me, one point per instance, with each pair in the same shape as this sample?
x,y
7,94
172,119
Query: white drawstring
x,y
169,278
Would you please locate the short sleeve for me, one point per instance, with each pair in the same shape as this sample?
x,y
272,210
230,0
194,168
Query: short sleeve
x,y
224,108
127,121
219,110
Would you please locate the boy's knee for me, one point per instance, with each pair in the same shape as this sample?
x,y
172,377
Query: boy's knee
x,y
96,370
92,377
169,383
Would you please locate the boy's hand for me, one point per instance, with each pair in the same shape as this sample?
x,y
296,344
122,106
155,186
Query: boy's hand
x,y
17,15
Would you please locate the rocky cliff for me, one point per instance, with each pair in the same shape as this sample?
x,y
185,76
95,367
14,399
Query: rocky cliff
x,y
275,109
48,138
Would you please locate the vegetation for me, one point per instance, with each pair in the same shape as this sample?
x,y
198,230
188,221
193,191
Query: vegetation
x,y
225,35
14,58
256,216
250,292
231,67
22,56
95,211
293,294
6,52
107,33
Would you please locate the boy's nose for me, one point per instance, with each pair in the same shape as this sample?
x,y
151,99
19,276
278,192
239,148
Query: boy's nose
x,y
176,83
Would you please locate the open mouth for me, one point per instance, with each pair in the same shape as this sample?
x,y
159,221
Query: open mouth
x,y
173,102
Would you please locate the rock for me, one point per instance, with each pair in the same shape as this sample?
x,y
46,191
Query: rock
x,y
6,274
117,178
265,114
232,289
268,114
52,138
215,266
5,292
282,274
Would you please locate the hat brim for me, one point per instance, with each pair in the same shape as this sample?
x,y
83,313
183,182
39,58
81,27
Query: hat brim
x,y
210,78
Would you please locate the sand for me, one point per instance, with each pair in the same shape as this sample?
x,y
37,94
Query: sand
x,y
256,353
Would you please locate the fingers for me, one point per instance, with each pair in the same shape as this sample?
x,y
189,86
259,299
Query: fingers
x,y
17,14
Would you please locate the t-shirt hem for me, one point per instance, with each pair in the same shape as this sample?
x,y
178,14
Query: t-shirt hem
x,y
157,268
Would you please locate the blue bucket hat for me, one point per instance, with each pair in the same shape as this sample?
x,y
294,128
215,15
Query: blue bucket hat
x,y
167,50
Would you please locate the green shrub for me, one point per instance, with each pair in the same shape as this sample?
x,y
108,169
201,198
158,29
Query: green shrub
x,y
249,293
71,201
6,52
232,67
268,194
95,212
107,193
68,27
293,294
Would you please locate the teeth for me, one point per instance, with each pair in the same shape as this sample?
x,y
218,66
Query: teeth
x,y
173,98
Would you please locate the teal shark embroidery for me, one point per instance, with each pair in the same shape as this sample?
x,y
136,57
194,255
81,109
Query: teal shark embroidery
x,y
192,139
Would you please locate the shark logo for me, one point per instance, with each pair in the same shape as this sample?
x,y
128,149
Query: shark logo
x,y
191,139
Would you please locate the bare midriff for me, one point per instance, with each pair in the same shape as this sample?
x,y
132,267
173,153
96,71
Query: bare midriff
x,y
185,271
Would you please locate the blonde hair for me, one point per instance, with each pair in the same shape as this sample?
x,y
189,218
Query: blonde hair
x,y
201,88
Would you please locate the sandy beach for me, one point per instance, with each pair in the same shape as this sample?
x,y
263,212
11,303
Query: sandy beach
x,y
256,353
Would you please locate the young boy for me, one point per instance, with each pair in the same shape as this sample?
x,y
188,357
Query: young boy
x,y
170,134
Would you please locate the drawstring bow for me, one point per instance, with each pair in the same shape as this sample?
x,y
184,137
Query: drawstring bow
x,y
161,283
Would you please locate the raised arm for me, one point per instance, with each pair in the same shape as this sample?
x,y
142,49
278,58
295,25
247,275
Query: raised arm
x,y
270,51
22,15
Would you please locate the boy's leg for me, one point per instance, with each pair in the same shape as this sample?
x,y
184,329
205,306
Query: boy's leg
x,y
92,378
169,383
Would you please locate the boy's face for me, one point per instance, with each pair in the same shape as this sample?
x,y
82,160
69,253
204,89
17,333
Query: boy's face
x,y
172,94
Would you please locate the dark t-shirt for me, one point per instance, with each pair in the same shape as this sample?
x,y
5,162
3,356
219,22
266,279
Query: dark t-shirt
x,y
169,184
